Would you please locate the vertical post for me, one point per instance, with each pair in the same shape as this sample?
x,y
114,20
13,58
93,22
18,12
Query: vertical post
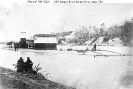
x,y
34,41
34,46
89,32
28,44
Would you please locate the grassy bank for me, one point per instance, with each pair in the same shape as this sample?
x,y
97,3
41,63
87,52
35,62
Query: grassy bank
x,y
10,79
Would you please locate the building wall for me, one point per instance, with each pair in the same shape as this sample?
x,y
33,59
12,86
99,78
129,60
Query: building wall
x,y
45,40
30,44
45,46
23,43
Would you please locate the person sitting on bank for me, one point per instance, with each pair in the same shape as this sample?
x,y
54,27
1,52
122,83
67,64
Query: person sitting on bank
x,y
29,65
20,65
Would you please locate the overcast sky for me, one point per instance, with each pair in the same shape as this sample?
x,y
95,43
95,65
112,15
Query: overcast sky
x,y
45,18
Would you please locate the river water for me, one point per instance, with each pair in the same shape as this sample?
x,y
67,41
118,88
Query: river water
x,y
74,69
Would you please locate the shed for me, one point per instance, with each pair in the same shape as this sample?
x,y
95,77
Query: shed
x,y
45,41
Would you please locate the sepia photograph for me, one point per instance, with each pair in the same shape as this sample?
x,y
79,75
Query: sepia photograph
x,y
60,44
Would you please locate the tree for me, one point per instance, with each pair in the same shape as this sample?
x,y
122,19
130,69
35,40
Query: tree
x,y
127,32
102,29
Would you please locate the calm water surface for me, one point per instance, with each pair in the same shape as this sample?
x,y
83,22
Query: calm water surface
x,y
74,69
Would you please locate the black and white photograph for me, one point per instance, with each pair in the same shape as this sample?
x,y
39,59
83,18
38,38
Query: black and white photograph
x,y
66,44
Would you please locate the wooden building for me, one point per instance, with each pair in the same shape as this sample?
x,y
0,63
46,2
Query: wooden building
x,y
23,43
30,44
45,41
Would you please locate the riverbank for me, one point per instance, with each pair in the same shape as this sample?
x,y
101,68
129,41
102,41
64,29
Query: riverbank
x,y
66,48
116,50
10,79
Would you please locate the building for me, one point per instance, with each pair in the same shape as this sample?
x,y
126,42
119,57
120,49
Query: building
x,y
30,43
23,43
45,41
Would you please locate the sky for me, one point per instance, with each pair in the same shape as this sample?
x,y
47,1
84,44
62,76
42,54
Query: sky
x,y
45,18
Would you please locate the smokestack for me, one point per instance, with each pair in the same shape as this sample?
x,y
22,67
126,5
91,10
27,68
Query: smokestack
x,y
23,35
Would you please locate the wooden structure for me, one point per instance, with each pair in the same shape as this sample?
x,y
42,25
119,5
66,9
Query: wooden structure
x,y
23,43
30,44
45,41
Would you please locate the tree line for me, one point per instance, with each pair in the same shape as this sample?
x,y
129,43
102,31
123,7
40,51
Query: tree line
x,y
124,32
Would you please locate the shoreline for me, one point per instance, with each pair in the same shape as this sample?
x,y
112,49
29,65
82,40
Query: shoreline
x,y
10,79
125,50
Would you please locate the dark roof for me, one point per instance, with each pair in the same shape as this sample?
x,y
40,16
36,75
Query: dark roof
x,y
44,35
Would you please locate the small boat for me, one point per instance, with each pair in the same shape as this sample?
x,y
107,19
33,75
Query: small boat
x,y
82,51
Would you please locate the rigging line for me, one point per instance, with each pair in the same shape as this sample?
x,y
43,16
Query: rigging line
x,y
111,55
111,51
96,52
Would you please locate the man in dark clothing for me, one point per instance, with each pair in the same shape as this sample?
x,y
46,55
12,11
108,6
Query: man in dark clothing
x,y
29,65
20,65
94,48
15,46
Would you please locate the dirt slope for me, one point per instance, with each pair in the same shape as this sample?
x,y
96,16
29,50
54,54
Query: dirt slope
x,y
10,79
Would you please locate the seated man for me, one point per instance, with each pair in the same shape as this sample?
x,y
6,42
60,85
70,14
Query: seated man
x,y
20,65
29,65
